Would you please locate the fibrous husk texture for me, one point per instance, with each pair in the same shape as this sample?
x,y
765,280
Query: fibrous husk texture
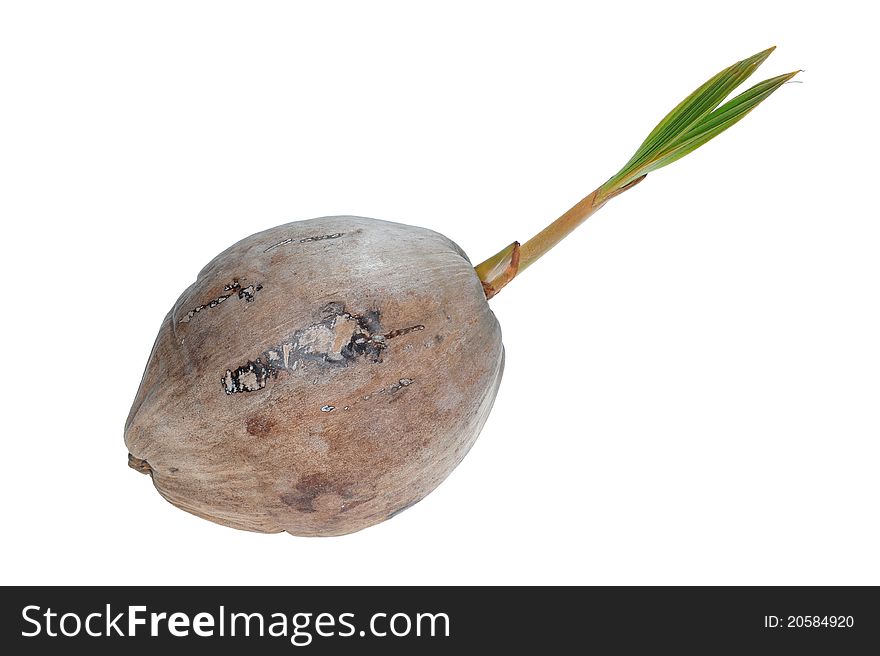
x,y
318,378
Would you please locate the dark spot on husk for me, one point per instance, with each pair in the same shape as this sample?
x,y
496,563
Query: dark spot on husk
x,y
312,486
259,426
370,321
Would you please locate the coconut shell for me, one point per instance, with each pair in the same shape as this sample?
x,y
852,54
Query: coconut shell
x,y
318,378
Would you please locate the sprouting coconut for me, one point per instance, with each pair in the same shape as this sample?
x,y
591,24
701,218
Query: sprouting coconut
x,y
324,375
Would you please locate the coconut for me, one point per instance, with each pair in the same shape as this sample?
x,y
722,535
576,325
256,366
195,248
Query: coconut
x,y
324,375
318,377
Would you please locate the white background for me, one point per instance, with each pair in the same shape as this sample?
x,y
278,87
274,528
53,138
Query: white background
x,y
692,391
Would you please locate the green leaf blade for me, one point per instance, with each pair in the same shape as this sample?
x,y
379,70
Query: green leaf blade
x,y
720,120
690,112
703,100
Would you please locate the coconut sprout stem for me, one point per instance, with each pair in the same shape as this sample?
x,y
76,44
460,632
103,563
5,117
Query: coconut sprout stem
x,y
697,119
565,224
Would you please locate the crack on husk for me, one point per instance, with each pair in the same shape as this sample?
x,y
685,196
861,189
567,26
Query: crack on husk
x,y
234,288
304,240
391,389
337,340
